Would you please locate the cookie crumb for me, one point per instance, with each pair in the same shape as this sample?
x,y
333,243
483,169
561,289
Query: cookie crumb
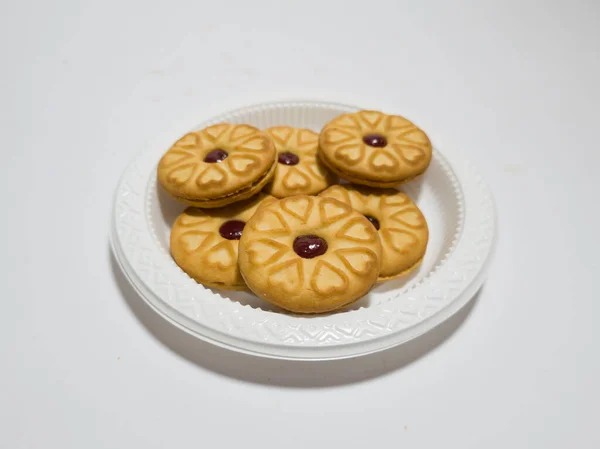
x,y
118,358
405,427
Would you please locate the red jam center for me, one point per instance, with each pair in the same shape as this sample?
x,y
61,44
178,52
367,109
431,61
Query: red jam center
x,y
288,159
375,140
232,229
216,155
374,221
309,246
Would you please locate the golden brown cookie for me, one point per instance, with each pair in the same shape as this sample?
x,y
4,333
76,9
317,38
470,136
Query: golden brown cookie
x,y
298,171
374,149
204,243
401,225
309,254
218,165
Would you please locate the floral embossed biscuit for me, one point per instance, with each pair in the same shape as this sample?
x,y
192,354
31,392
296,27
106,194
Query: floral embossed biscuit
x,y
374,149
218,165
298,171
401,225
204,243
309,254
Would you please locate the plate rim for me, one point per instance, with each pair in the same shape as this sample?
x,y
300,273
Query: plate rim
x,y
309,353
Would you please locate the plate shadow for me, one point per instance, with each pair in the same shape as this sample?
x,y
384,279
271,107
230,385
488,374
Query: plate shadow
x,y
284,373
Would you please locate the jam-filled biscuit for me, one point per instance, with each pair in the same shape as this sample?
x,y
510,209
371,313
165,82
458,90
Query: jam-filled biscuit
x,y
218,165
309,254
298,171
204,243
401,225
374,149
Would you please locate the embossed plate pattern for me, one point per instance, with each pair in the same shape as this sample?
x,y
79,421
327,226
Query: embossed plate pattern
x,y
454,199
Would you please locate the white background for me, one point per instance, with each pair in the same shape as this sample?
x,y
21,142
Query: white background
x,y
86,85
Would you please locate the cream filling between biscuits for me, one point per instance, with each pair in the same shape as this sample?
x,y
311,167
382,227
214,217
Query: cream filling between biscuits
x,y
237,192
358,178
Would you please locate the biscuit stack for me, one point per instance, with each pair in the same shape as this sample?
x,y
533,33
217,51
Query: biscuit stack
x,y
268,212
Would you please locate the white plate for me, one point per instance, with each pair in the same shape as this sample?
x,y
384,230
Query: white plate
x,y
459,210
